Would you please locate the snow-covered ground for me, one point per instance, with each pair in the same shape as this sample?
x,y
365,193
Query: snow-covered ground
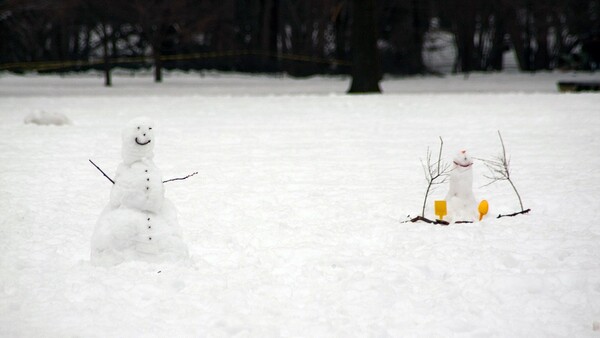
x,y
294,222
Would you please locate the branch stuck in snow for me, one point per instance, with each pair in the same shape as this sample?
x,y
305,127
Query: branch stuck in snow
x,y
500,171
435,173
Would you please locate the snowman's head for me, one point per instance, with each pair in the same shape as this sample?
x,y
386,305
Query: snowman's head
x,y
462,160
138,140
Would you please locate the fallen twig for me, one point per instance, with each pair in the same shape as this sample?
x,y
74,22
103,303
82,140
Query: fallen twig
x,y
427,220
103,173
421,218
515,213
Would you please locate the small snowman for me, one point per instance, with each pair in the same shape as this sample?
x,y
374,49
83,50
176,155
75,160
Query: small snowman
x,y
460,201
138,223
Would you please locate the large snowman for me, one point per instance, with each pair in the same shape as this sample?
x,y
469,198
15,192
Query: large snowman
x,y
138,223
460,200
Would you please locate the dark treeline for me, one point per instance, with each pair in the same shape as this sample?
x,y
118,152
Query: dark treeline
x,y
299,37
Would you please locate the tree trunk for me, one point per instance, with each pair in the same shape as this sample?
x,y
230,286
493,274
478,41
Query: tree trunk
x,y
419,27
156,54
465,44
113,43
515,36
107,76
527,52
268,34
542,58
365,69
517,27
497,51
86,43
340,18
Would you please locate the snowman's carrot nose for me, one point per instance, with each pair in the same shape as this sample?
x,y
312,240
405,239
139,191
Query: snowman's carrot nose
x,y
463,151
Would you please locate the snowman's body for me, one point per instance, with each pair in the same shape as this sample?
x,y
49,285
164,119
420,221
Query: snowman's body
x,y
138,186
138,223
460,200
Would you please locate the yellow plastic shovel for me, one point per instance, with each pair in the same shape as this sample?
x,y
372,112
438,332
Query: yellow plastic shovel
x,y
483,209
440,208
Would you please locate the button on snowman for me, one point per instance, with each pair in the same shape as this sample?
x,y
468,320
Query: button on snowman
x,y
138,223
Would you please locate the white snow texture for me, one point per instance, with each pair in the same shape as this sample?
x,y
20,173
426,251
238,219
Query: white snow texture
x,y
139,223
294,221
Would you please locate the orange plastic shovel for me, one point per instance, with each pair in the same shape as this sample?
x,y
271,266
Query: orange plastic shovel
x,y
483,209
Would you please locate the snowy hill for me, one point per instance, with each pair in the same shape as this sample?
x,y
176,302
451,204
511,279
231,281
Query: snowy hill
x,y
294,222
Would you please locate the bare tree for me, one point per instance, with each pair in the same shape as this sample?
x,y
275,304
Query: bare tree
x,y
158,20
500,171
435,173
299,37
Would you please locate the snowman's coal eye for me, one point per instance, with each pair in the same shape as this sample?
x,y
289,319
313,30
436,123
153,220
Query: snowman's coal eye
x,y
138,128
150,128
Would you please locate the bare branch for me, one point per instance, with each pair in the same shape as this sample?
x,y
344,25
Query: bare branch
x,y
500,170
503,148
440,154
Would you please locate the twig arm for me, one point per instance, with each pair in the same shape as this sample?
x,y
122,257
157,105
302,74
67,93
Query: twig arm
x,y
103,173
180,178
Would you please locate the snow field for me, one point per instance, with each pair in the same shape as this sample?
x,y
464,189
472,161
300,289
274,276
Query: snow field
x,y
294,220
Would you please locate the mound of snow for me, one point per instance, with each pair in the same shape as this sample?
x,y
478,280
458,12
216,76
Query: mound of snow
x,y
45,118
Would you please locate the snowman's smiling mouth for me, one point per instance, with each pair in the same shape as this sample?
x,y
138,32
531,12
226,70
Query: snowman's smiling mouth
x,y
141,143
458,164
